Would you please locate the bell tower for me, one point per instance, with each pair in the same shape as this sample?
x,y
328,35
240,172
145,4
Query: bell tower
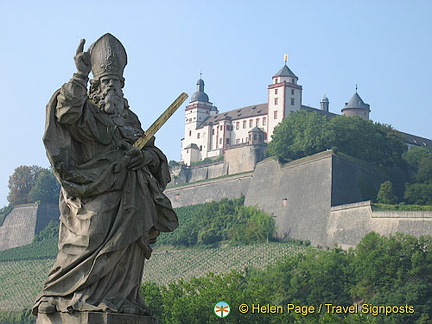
x,y
284,96
198,110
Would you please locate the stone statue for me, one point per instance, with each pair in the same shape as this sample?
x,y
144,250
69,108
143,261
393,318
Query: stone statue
x,y
111,201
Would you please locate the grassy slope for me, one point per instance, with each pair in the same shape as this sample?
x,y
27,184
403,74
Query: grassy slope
x,y
21,281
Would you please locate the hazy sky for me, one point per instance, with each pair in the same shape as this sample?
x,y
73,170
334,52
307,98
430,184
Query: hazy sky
x,y
383,46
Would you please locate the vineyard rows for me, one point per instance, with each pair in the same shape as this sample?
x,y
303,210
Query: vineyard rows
x,y
21,281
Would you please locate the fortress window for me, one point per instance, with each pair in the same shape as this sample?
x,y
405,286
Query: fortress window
x,y
275,101
200,147
276,91
292,101
257,122
220,140
227,140
237,125
244,124
198,135
221,127
250,122
293,80
264,121
190,133
275,114
213,131
292,91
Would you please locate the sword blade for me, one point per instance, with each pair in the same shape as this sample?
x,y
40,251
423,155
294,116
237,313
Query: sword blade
x,y
151,131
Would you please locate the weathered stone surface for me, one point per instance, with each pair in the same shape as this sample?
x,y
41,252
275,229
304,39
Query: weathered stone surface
x,y
320,198
212,190
111,201
95,318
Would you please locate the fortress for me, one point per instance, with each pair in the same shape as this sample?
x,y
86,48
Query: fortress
x,y
209,134
324,198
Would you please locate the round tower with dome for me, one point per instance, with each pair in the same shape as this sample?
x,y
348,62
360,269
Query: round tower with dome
x,y
356,107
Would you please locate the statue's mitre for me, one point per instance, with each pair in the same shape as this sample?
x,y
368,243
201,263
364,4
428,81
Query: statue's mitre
x,y
108,57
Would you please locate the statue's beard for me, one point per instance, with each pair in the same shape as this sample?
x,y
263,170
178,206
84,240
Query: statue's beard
x,y
110,101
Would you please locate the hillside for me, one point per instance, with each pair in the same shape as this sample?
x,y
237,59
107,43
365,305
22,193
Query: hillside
x,y
21,281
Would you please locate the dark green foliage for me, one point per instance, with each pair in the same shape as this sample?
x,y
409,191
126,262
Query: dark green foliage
x,y
388,271
21,182
29,184
173,163
418,194
49,232
300,134
46,188
215,222
386,194
401,207
373,142
424,174
419,190
37,250
395,270
208,161
413,157
303,133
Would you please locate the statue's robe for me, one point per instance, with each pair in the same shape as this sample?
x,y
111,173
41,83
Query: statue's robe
x,y
109,214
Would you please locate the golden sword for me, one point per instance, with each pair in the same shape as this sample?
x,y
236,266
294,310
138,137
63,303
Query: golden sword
x,y
160,121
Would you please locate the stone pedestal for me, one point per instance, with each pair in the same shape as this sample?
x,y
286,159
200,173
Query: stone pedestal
x,y
94,318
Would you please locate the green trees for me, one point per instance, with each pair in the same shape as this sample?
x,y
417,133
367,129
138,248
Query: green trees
x,y
419,190
21,183
304,133
32,183
215,222
46,188
386,194
380,271
300,134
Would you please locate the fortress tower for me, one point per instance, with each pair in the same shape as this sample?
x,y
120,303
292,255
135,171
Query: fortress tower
x,y
196,142
284,96
356,107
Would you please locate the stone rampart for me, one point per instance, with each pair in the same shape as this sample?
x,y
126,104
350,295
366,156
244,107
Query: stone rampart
x,y
24,222
297,194
18,227
211,190
349,223
319,198
243,158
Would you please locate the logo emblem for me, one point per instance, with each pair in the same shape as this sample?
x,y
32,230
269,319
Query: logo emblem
x,y
222,309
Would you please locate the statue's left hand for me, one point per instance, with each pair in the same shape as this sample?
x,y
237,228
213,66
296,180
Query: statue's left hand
x,y
137,158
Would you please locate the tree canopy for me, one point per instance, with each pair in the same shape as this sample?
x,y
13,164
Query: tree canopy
x,y
223,221
381,271
32,183
419,190
304,133
21,182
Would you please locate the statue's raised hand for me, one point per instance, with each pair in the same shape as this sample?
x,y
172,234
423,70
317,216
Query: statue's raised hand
x,y
82,59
